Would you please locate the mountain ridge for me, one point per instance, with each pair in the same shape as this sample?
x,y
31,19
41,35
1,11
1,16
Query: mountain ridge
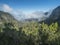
x,y
6,17
54,16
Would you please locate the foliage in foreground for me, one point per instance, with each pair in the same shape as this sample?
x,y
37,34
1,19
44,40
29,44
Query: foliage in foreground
x,y
31,33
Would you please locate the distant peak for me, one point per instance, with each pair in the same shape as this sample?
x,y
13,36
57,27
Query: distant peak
x,y
58,7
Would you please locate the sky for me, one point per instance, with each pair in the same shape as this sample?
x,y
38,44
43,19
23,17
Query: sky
x,y
31,5
28,6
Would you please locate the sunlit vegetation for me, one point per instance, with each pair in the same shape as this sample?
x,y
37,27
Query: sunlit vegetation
x,y
30,33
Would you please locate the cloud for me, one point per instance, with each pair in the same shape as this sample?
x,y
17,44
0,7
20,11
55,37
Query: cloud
x,y
6,8
36,14
21,15
16,13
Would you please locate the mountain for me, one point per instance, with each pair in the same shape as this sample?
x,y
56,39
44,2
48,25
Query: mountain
x,y
54,16
46,13
31,19
6,17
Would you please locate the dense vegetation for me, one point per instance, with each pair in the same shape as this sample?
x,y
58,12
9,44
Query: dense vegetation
x,y
46,32
29,33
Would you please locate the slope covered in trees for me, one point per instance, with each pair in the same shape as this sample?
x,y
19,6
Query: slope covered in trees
x,y
54,16
31,33
13,32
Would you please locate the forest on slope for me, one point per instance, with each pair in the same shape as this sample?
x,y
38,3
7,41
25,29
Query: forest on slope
x,y
13,32
31,33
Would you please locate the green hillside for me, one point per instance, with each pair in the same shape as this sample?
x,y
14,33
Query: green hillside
x,y
13,32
